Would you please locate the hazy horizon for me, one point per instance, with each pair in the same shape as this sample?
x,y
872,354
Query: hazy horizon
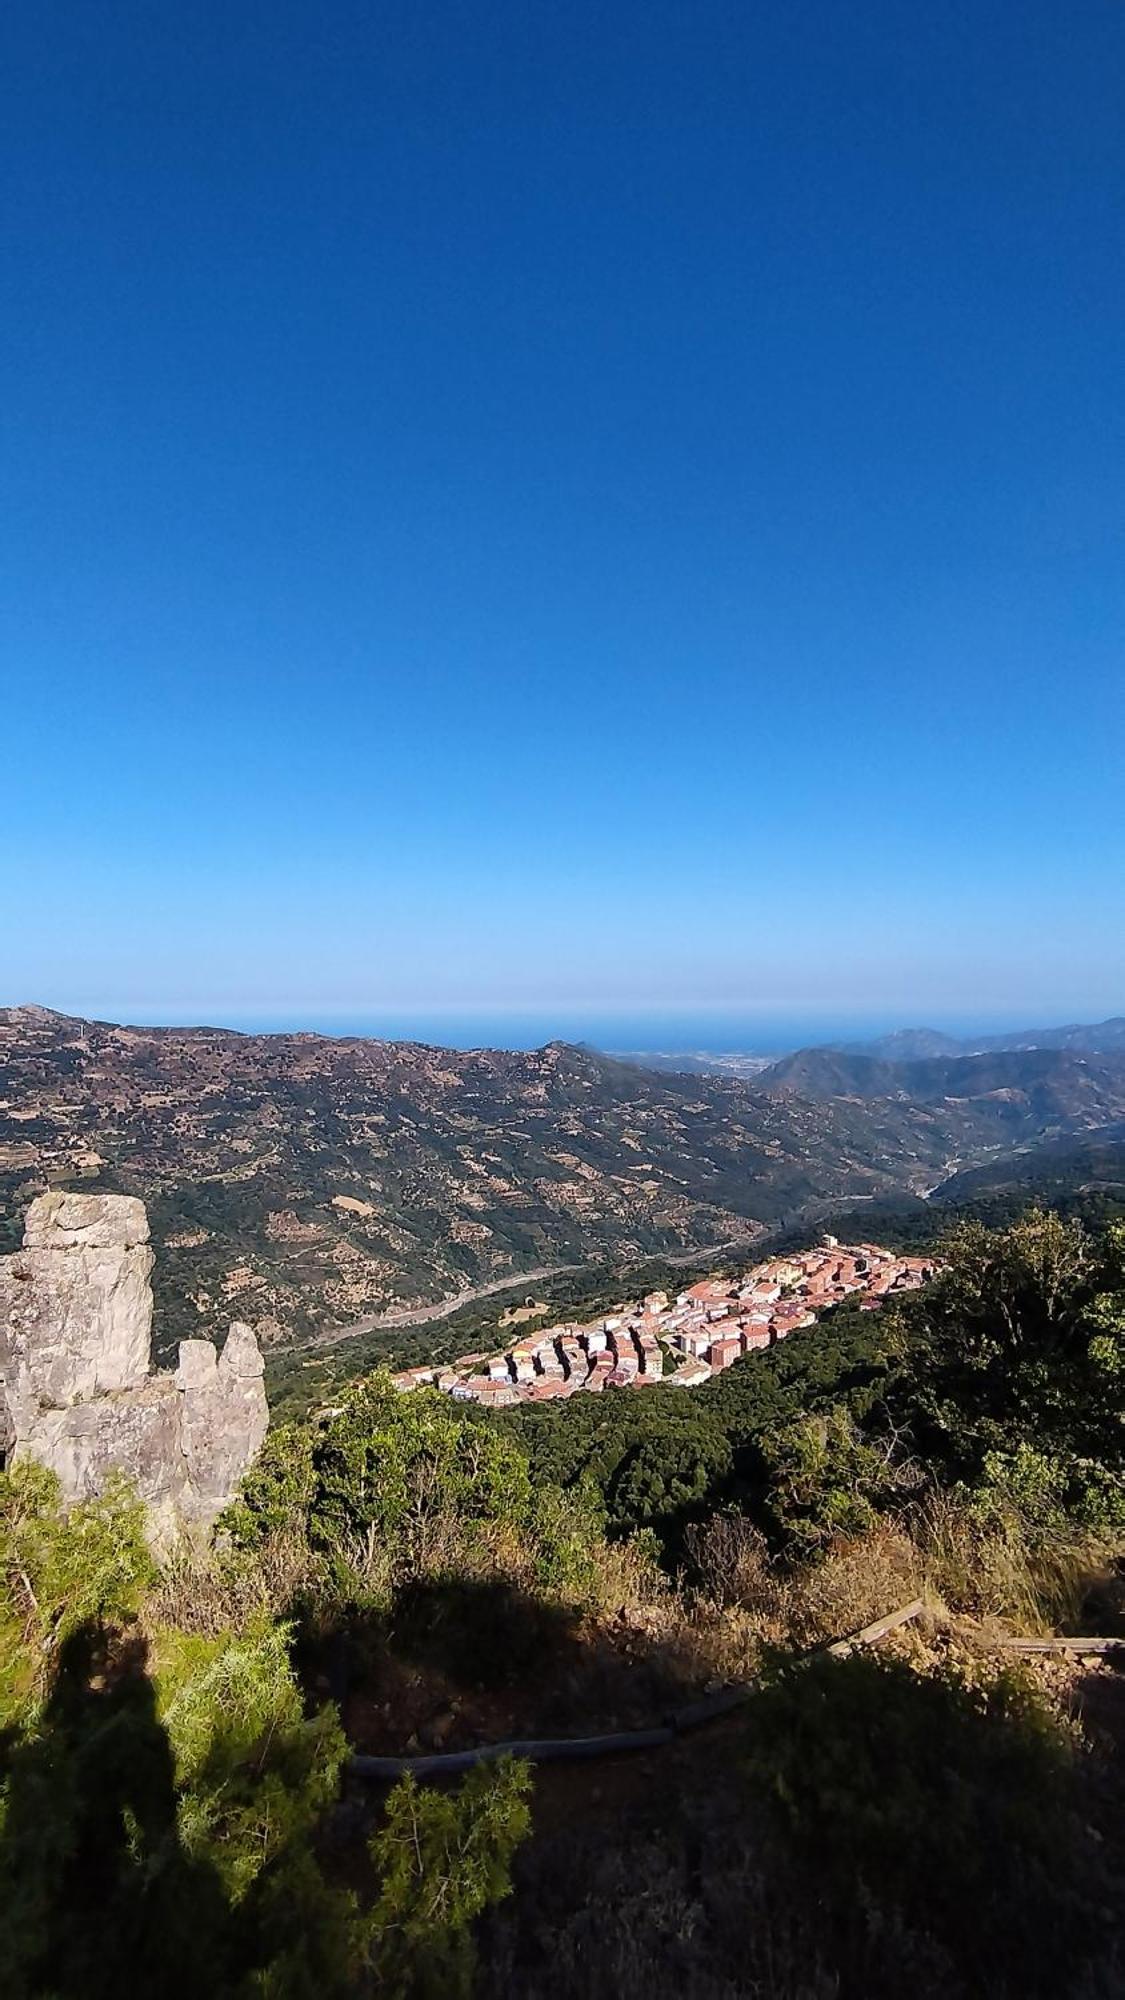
x,y
654,1032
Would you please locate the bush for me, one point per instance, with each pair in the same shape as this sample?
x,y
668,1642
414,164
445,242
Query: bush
x,y
160,1830
565,1533
252,1775
389,1486
152,1824
442,1858
62,1573
277,1492
401,1466
934,1812
730,1560
823,1479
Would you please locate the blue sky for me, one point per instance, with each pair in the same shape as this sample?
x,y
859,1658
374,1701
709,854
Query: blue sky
x,y
583,512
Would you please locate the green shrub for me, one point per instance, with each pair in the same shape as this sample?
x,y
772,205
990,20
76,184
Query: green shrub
x,y
442,1858
1042,1497
823,1480
388,1486
154,1824
157,1832
252,1775
936,1811
61,1572
564,1532
276,1493
392,1465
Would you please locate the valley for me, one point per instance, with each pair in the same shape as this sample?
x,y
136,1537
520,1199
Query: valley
x,y
320,1187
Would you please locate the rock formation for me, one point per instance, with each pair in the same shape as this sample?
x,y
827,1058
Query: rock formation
x,y
77,1391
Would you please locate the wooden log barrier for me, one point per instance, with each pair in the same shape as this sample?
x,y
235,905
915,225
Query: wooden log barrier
x,y
867,1637
1065,1644
577,1749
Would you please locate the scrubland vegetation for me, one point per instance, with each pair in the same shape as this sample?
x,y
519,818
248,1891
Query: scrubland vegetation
x,y
401,1574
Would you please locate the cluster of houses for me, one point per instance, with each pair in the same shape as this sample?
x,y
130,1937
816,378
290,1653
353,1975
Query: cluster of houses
x,y
685,1340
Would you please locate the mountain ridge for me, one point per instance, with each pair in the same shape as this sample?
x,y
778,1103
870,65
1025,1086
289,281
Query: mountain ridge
x,y
300,1181
833,1072
901,1045
908,1044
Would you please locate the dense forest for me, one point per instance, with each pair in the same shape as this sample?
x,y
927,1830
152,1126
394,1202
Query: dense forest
x,y
403,1575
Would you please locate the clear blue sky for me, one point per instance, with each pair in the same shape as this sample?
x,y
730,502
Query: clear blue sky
x,y
564,508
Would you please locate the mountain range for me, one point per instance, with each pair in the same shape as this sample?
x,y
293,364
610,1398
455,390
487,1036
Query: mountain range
x,y
910,1044
902,1045
303,1181
1051,1083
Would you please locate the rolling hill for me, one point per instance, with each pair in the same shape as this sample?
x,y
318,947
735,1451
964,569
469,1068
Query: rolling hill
x,y
300,1181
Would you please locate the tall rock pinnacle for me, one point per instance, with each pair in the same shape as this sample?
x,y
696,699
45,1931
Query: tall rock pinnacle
x,y
77,1390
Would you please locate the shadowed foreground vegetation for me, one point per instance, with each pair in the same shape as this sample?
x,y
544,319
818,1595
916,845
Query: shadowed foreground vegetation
x,y
404,1574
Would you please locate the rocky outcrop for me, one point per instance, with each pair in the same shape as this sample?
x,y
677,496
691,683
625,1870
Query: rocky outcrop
x,y
77,1391
223,1413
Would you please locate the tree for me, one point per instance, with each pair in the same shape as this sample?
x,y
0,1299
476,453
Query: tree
x,y
824,1478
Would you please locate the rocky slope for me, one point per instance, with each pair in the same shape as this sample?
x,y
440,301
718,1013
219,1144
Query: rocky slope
x,y
298,1180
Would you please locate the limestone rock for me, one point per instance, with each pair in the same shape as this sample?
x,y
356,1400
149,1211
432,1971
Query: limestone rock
x,y
241,1358
78,1321
76,1387
224,1415
137,1434
61,1221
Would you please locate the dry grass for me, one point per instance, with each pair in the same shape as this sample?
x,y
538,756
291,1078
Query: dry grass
x,y
997,1572
858,1581
789,1608
210,1591
984,1571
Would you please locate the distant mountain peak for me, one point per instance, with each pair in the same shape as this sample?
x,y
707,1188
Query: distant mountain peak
x,y
907,1045
31,1015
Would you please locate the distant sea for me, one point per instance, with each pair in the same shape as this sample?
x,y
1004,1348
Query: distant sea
x,y
672,1034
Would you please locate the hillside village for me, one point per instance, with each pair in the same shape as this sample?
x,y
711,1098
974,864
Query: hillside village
x,y
685,1341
